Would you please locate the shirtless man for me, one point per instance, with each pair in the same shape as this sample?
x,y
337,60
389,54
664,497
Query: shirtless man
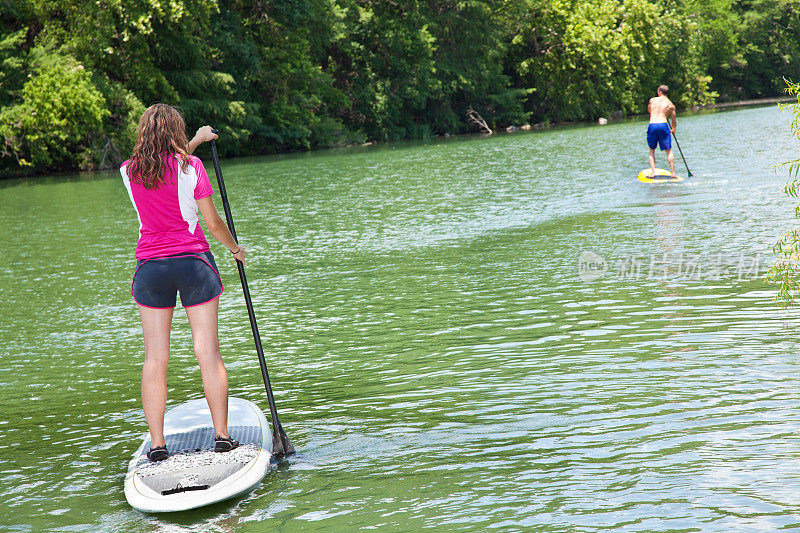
x,y
658,132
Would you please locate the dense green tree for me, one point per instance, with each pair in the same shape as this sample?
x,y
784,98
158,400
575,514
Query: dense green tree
x,y
390,55
770,47
276,75
12,72
469,56
584,59
59,117
298,100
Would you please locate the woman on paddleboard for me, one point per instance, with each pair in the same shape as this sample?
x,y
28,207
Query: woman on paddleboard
x,y
167,186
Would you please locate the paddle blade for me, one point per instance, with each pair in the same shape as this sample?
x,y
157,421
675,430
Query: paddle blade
x,y
281,446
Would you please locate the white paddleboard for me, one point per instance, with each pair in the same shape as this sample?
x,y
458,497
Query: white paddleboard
x,y
194,475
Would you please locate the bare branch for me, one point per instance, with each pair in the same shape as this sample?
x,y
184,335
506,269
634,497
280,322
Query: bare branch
x,y
475,118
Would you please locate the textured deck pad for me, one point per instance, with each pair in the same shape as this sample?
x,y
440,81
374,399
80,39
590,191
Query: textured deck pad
x,y
193,464
203,439
194,475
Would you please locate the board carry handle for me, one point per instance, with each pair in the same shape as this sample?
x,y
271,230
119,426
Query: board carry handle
x,y
281,446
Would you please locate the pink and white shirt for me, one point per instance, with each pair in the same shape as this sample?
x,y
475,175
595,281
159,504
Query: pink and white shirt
x,y
168,221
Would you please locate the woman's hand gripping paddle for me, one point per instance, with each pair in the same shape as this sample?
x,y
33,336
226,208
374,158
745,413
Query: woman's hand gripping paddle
x,y
281,446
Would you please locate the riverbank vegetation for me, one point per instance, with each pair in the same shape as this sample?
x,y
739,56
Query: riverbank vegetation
x,y
785,271
279,75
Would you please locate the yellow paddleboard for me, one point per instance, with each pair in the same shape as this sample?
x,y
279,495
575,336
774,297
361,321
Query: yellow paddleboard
x,y
661,176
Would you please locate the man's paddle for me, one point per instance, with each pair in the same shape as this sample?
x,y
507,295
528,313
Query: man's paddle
x,y
681,151
281,446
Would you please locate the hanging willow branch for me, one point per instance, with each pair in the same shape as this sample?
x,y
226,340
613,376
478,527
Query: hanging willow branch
x,y
785,272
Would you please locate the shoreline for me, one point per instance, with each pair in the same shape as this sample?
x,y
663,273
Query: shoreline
x,y
723,105
745,103
502,131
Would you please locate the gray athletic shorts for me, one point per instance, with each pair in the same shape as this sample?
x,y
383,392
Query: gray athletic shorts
x,y
157,282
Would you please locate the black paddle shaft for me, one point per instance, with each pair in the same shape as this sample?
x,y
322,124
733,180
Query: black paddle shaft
x,y
689,172
281,446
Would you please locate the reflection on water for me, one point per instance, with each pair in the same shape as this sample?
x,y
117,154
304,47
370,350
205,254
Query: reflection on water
x,y
464,334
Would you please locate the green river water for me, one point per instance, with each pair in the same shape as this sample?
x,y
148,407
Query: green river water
x,y
506,333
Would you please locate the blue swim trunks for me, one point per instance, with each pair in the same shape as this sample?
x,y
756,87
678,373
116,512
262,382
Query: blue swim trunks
x,y
659,134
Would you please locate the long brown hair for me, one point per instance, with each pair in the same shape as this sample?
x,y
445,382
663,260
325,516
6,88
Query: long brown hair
x,y
161,131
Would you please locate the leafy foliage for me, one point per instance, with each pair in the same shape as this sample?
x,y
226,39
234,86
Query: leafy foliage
x,y
12,73
586,59
277,75
785,272
59,117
